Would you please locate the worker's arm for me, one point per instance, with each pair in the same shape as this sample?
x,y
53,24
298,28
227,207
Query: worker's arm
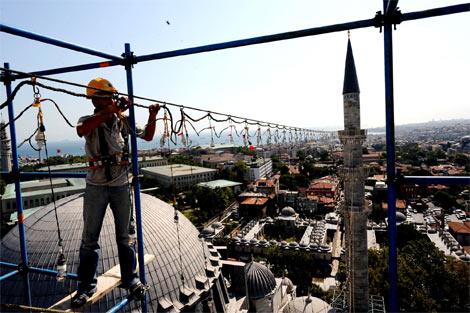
x,y
85,127
150,127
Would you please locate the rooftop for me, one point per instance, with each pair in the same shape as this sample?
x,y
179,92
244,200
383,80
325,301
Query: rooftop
x,y
219,183
177,170
254,201
460,228
40,187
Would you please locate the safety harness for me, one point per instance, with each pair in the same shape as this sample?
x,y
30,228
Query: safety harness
x,y
106,160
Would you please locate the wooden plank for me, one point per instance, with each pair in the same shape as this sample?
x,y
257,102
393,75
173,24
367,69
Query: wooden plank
x,y
106,283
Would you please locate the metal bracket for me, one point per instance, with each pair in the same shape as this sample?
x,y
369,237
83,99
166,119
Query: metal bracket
x,y
23,269
6,77
129,60
394,18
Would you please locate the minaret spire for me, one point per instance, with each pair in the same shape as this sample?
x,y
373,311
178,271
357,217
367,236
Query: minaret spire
x,y
354,209
351,83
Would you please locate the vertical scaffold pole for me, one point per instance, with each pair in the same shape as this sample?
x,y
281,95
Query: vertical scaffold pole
x,y
19,200
390,135
135,172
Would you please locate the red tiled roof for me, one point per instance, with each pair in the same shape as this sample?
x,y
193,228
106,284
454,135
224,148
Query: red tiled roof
x,y
460,228
321,199
321,185
254,201
399,204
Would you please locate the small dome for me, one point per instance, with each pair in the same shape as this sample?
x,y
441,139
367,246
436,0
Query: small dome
x,y
288,211
207,231
400,217
308,304
217,225
260,281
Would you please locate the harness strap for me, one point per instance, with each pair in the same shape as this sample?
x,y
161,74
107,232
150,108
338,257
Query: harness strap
x,y
105,157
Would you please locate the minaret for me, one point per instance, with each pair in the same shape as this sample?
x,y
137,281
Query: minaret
x,y
5,149
352,137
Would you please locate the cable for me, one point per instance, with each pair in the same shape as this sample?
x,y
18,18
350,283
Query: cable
x,y
164,103
61,262
17,117
61,113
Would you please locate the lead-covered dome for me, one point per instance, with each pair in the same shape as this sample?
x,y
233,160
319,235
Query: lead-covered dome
x,y
288,211
308,304
160,238
260,281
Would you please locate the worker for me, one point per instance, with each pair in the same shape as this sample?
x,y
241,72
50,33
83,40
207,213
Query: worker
x,y
106,147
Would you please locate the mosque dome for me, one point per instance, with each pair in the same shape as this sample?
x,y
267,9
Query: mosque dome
x,y
288,211
160,237
260,281
400,217
207,231
217,225
308,304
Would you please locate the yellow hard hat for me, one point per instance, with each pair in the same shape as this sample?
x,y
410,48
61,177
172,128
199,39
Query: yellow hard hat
x,y
101,84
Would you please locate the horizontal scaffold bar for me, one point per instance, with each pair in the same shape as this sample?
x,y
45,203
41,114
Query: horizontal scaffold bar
x,y
453,9
444,180
119,306
55,42
460,8
53,174
9,275
37,270
259,40
74,68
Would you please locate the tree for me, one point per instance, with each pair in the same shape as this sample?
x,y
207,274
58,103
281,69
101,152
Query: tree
x,y
2,186
461,159
277,164
240,168
324,155
378,146
284,170
301,155
427,280
182,159
212,201
377,214
445,200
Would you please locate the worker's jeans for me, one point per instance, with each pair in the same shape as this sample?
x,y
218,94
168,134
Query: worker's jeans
x,y
96,200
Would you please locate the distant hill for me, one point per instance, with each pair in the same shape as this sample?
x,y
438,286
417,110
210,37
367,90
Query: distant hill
x,y
426,125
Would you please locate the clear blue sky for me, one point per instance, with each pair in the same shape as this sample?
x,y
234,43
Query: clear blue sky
x,y
296,82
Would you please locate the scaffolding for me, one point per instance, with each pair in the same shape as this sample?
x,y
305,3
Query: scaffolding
x,y
385,20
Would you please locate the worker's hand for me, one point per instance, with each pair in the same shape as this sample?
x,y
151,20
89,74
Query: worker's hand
x,y
154,108
123,104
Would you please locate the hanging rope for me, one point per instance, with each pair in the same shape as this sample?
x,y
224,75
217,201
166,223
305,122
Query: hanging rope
x,y
61,261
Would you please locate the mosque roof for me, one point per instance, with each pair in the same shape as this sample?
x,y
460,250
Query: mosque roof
x,y
288,211
260,280
308,304
160,237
